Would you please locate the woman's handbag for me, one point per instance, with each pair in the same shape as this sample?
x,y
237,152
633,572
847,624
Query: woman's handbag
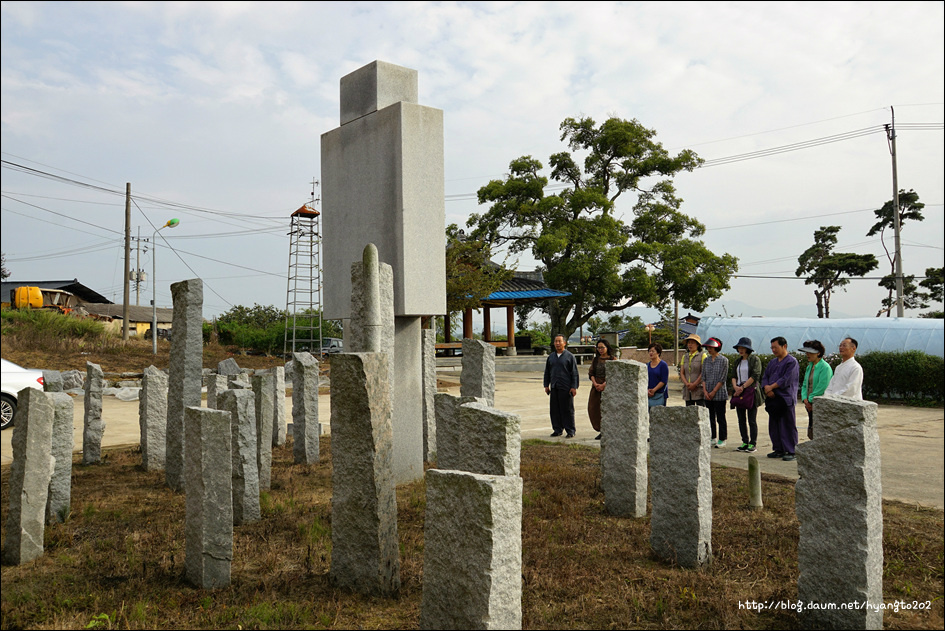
x,y
745,400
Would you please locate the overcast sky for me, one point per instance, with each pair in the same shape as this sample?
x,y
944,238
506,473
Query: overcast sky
x,y
217,109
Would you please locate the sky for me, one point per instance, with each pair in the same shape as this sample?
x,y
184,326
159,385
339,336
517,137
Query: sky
x,y
214,111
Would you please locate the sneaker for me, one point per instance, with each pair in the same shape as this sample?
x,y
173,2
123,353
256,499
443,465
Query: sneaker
x,y
788,457
776,454
749,449
553,434
720,444
742,447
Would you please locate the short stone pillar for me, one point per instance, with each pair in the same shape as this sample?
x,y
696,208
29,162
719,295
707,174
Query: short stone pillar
x,y
228,367
492,442
30,473
185,373
208,524
52,381
365,556
152,418
428,351
94,426
305,428
472,552
216,385
241,406
838,501
263,390
681,484
450,433
59,499
478,376
625,426
279,422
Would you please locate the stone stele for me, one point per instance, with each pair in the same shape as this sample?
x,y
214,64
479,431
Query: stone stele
x,y
59,500
472,552
185,373
263,389
477,378
305,428
152,418
681,485
428,350
838,501
279,422
625,425
94,427
241,406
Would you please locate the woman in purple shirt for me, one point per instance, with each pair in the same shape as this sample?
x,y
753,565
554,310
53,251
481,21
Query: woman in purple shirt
x,y
657,376
780,385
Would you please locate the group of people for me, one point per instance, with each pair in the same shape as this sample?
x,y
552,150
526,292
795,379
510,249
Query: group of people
x,y
703,373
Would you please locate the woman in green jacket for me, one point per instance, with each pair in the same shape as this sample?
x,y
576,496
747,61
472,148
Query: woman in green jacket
x,y
816,379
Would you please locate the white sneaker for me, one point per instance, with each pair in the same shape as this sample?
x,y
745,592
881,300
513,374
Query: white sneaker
x,y
719,444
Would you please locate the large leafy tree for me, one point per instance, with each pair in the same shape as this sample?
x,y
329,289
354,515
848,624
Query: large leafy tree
x,y
470,275
910,209
828,270
583,246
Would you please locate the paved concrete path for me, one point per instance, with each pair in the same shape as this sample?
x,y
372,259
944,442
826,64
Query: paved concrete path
x,y
912,438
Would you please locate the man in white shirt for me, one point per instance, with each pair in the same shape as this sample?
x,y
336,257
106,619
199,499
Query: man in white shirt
x,y
847,379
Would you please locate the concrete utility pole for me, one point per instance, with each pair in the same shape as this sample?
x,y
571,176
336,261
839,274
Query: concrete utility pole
x,y
891,137
124,304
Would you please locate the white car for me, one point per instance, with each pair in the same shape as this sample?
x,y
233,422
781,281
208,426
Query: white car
x,y
13,379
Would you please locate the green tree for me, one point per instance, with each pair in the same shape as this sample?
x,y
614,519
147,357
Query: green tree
x,y
605,264
910,209
470,275
934,282
4,272
825,269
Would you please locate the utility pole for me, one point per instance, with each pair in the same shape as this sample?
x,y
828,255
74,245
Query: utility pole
x,y
124,307
138,270
891,137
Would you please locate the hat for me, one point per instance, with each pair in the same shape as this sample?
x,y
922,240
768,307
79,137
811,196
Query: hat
x,y
695,338
713,342
744,342
808,349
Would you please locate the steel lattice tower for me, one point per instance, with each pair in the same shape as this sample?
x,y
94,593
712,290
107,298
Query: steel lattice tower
x,y
303,302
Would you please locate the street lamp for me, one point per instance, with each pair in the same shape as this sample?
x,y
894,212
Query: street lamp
x,y
171,223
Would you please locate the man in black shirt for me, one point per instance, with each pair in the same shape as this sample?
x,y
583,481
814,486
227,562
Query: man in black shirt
x,y
561,383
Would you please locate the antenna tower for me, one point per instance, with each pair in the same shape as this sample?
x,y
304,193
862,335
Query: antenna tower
x,y
303,301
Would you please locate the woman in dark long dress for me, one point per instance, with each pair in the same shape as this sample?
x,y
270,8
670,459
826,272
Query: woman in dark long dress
x,y
598,375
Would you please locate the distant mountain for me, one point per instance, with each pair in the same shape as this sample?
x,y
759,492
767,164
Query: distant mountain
x,y
735,308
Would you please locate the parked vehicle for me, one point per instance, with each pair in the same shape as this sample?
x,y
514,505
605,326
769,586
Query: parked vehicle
x,y
14,378
331,345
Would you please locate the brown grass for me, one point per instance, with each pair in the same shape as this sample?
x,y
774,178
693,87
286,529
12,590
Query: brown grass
x,y
119,559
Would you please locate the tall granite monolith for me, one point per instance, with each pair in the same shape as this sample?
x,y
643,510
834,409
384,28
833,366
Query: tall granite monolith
x,y
59,499
152,418
681,484
241,406
216,385
838,501
94,426
279,422
30,473
625,429
450,433
478,376
208,527
428,349
472,552
52,381
185,374
364,555
263,390
305,427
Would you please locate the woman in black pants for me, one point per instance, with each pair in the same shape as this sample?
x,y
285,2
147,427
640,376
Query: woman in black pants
x,y
747,379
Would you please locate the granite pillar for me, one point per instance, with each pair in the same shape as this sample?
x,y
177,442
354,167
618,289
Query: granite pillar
x,y
152,418
241,406
305,428
185,374
625,429
478,376
59,498
94,426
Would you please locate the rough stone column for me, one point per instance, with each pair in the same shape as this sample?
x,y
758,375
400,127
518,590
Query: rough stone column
x,y
478,376
185,374
305,428
428,351
450,434
52,381
216,385
152,418
491,442
472,552
625,425
30,473
838,501
365,555
94,426
279,422
263,389
241,406
229,367
59,499
681,482
209,509
407,401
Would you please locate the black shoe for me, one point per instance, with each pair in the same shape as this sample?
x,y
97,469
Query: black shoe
x,y
788,457
598,437
570,436
776,454
555,434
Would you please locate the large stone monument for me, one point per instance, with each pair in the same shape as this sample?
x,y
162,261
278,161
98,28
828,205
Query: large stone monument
x,y
365,554
382,183
30,473
94,427
472,552
838,501
208,527
59,500
625,425
478,376
681,484
241,406
185,374
152,418
305,428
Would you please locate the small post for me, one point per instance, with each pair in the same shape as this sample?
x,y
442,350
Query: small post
x,y
754,484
